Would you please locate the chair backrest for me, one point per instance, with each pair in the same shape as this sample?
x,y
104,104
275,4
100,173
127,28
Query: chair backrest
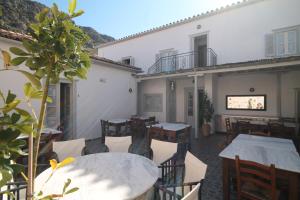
x,y
276,127
118,144
252,173
244,126
228,125
104,130
68,148
195,169
162,150
157,133
138,127
193,194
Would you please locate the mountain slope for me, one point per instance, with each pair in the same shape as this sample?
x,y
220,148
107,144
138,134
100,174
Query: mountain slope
x,y
17,14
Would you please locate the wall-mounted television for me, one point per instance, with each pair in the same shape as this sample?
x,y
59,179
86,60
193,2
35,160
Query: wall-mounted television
x,y
246,102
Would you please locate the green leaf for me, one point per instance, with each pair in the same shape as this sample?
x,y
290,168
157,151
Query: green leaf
x,y
37,95
49,100
22,112
26,129
10,97
5,177
17,51
18,60
72,6
35,81
9,134
27,88
80,12
30,46
11,106
72,190
66,185
15,118
2,96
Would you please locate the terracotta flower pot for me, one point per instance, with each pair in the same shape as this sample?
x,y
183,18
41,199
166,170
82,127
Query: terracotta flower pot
x,y
206,130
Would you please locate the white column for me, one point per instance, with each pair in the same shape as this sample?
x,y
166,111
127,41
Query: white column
x,y
196,105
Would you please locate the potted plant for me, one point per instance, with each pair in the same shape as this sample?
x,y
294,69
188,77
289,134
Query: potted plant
x,y
206,111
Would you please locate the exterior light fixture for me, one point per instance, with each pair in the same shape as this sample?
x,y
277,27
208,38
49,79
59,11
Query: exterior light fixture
x,y
130,90
172,85
252,89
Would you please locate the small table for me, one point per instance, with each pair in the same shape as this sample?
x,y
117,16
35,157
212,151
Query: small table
x,y
175,129
264,150
118,123
103,176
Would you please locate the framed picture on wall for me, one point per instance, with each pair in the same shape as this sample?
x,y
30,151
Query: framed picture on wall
x,y
246,102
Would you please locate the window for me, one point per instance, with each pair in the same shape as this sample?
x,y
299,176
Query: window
x,y
286,42
166,59
282,42
128,60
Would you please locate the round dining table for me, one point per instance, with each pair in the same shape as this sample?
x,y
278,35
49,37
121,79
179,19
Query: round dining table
x,y
111,176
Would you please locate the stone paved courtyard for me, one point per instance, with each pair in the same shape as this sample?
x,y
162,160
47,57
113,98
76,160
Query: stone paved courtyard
x,y
205,148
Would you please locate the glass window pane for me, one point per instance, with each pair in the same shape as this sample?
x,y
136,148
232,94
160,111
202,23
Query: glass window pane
x,y
292,41
280,43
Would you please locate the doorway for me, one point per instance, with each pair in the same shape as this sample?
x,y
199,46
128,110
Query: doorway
x,y
297,111
171,101
200,49
65,109
189,106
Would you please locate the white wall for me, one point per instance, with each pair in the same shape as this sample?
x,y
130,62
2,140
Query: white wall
x,y
156,86
239,84
95,99
106,99
12,80
289,82
236,35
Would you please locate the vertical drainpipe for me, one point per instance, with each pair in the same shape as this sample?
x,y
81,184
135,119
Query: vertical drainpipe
x,y
196,105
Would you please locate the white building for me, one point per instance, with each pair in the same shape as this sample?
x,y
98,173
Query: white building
x,y
80,104
249,48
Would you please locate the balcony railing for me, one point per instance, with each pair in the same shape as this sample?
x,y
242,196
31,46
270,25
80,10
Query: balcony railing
x,y
184,61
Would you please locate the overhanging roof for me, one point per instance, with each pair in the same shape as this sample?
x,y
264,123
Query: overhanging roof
x,y
292,61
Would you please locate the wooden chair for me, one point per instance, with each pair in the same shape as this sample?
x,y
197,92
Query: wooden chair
x,y
276,128
244,127
138,128
118,144
255,181
261,133
151,121
193,173
230,133
73,148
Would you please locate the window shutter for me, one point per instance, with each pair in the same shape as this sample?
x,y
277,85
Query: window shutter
x,y
269,45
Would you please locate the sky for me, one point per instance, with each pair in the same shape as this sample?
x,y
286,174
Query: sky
x,y
120,18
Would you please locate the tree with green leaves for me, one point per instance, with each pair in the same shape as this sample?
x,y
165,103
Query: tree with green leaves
x,y
55,48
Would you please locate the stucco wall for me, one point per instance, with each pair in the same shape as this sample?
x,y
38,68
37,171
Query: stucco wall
x,y
11,80
104,95
235,35
289,82
263,83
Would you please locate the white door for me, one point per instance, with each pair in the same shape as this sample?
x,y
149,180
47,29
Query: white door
x,y
189,106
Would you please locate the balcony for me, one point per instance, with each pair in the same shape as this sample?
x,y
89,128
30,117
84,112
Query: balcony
x,y
183,61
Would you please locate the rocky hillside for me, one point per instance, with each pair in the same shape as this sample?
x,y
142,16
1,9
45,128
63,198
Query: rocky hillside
x,y
17,14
